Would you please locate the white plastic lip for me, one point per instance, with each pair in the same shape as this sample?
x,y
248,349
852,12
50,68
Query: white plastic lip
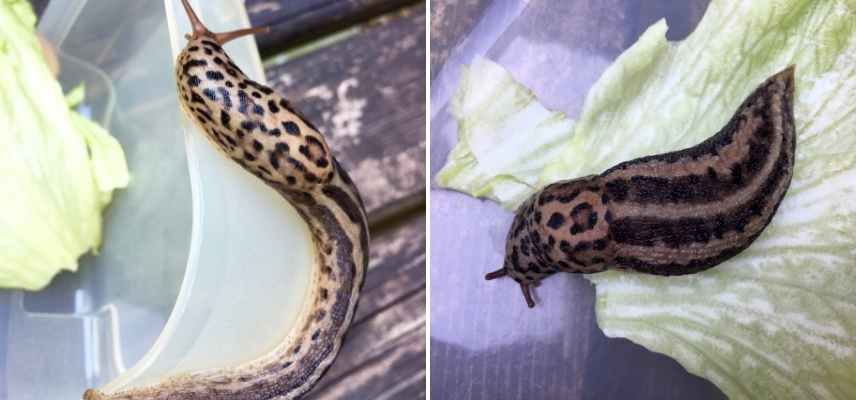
x,y
197,194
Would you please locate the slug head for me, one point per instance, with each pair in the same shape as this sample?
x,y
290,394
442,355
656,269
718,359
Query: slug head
x,y
200,31
521,257
564,227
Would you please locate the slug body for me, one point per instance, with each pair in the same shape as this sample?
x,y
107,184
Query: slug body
x,y
668,214
259,130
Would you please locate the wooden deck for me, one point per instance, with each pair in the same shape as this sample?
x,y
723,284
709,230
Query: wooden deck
x,y
485,342
356,68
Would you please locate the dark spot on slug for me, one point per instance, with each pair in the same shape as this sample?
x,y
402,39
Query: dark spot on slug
x,y
282,147
194,81
711,174
193,63
296,164
196,98
243,102
224,94
592,220
225,119
556,221
257,95
248,125
304,150
257,146
210,94
291,128
218,61
274,159
213,45
275,132
214,75
272,106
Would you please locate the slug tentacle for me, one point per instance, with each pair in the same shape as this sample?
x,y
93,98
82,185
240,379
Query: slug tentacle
x,y
669,214
200,30
259,130
496,274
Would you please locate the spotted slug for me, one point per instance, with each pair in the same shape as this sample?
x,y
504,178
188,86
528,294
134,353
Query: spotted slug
x,y
668,214
258,129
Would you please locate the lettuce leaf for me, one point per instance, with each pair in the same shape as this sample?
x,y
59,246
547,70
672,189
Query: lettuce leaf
x,y
58,168
778,320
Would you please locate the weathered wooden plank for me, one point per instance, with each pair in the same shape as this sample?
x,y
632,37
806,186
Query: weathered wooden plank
x,y
378,353
391,313
295,21
397,267
367,93
399,373
451,20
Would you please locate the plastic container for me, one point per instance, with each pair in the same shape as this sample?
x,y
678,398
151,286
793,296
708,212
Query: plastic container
x,y
202,266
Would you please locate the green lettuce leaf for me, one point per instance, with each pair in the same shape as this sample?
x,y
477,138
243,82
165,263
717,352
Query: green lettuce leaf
x,y
58,168
778,320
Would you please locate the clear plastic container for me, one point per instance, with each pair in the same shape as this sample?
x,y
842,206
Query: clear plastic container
x,y
202,266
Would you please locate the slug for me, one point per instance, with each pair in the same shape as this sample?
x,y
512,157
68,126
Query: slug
x,y
669,214
259,130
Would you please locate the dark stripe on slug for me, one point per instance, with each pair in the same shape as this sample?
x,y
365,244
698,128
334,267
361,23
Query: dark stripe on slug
x,y
227,100
192,64
210,94
697,189
692,266
676,233
213,45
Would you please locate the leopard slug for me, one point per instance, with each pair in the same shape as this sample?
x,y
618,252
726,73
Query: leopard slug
x,y
669,214
259,130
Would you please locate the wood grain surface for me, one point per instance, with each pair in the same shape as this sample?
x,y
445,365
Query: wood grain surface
x,y
485,342
297,21
367,94
451,20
